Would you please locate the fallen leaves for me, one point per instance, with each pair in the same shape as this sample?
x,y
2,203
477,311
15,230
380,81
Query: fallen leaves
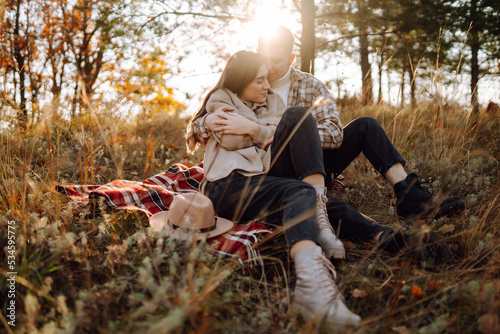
x,y
434,285
357,293
446,228
349,245
417,292
400,329
488,324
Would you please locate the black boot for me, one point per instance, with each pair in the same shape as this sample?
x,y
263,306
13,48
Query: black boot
x,y
393,241
413,201
424,247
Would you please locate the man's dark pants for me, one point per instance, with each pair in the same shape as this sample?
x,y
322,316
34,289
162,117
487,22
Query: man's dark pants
x,y
362,135
279,197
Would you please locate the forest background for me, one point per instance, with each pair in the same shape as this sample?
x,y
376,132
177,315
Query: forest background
x,y
92,91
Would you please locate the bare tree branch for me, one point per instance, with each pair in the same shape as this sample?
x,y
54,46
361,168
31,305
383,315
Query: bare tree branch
x,y
324,44
197,14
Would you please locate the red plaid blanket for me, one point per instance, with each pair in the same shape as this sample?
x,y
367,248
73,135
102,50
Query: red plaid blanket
x,y
156,193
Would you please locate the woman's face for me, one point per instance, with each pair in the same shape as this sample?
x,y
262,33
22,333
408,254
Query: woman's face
x,y
256,91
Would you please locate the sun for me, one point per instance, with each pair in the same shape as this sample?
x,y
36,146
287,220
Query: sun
x,y
268,14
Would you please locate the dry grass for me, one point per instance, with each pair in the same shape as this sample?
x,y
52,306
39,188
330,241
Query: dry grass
x,y
110,273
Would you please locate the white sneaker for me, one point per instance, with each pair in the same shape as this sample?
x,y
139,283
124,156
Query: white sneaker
x,y
331,245
316,293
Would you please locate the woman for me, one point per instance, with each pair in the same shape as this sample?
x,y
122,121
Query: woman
x,y
283,182
241,142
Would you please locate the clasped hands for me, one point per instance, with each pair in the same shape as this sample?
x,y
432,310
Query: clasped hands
x,y
226,122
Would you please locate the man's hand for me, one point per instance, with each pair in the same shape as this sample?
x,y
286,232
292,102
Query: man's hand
x,y
270,140
224,109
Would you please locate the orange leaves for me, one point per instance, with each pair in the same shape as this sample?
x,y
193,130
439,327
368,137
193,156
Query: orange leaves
x,y
348,245
144,82
417,292
434,285
120,138
155,64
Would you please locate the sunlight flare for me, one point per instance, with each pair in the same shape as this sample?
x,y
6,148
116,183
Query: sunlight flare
x,y
267,15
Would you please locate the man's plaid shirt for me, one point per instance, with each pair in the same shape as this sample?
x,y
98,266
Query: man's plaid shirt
x,y
304,90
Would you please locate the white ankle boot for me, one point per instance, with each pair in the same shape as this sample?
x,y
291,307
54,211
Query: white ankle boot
x,y
331,245
316,293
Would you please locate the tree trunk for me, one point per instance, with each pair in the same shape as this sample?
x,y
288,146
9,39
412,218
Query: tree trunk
x,y
379,95
389,87
380,68
308,39
23,112
474,45
366,72
366,88
74,101
413,86
402,86
20,59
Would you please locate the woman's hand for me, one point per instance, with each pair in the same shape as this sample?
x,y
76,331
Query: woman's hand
x,y
230,123
210,120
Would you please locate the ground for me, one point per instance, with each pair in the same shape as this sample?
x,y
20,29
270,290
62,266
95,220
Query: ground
x,y
78,272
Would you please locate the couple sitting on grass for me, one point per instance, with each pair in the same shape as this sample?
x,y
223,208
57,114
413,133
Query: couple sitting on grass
x,y
269,153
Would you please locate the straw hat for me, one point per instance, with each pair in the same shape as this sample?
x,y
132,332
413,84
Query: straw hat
x,y
189,214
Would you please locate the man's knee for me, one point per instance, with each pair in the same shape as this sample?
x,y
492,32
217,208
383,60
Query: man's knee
x,y
367,121
294,115
365,125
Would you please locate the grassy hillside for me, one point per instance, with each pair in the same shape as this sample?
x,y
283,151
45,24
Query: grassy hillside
x,y
84,273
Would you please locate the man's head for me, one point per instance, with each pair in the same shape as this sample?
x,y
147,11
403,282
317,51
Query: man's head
x,y
276,46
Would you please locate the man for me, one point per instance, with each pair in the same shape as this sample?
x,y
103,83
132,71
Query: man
x,y
342,145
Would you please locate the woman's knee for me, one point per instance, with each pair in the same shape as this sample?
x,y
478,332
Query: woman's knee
x,y
301,193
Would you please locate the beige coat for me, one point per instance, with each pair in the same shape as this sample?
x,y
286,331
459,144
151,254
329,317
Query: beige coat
x,y
226,153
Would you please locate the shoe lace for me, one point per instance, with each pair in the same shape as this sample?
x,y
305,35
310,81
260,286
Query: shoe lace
x,y
327,274
322,220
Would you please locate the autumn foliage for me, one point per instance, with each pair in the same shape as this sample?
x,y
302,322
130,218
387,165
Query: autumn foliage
x,y
72,72
55,52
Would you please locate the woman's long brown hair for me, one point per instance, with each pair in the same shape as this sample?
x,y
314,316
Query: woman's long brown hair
x,y
241,69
